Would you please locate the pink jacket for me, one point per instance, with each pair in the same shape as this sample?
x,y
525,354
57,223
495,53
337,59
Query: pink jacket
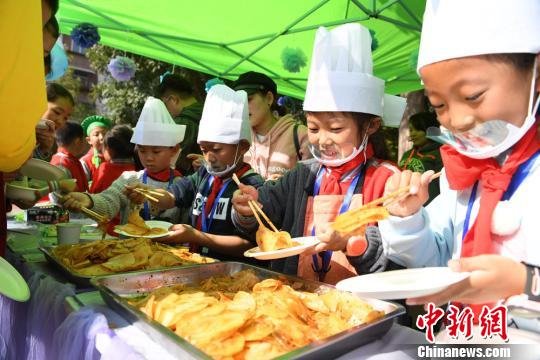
x,y
276,154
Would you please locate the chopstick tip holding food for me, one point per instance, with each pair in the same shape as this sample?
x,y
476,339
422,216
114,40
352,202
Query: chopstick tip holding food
x,y
256,208
371,212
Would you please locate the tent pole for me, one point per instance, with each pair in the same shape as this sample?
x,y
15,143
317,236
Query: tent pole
x,y
411,14
362,7
276,75
296,21
302,29
387,5
399,23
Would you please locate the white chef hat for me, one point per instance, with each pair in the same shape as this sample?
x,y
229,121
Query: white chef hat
x,y
341,75
459,28
156,127
225,117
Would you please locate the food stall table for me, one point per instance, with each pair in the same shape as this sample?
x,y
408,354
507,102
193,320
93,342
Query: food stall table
x,y
63,322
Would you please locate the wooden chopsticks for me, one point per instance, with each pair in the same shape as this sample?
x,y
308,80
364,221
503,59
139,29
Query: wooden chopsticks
x,y
255,208
100,218
348,221
91,213
149,194
394,195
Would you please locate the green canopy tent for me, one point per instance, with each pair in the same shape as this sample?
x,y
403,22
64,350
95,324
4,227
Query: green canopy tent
x,y
227,38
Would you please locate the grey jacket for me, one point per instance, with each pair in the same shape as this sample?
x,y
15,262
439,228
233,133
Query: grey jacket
x,y
285,202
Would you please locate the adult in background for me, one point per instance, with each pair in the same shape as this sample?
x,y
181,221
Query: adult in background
x,y
425,154
178,95
278,143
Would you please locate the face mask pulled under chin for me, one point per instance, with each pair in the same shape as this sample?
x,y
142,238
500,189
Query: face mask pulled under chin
x,y
221,173
333,155
489,138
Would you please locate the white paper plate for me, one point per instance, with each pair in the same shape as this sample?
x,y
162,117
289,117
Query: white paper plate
x,y
402,284
305,243
42,170
153,224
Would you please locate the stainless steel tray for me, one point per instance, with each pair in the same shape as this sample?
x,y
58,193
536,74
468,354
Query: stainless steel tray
x,y
84,280
116,290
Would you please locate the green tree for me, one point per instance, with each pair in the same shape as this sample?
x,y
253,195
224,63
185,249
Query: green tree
x,y
124,100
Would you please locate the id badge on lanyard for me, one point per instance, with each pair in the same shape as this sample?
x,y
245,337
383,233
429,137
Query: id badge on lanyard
x,y
206,222
146,209
326,256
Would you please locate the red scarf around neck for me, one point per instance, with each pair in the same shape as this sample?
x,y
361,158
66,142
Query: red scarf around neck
x,y
217,184
330,184
163,175
462,172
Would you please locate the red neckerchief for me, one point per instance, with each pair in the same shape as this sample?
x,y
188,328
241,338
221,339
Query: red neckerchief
x,y
331,185
216,186
163,175
463,172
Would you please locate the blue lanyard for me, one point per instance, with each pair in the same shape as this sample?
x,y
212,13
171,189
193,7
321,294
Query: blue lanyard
x,y
204,224
518,177
146,210
327,255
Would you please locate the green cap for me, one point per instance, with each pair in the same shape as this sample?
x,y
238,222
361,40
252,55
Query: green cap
x,y
95,120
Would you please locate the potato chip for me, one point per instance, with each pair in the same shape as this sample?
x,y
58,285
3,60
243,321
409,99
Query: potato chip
x,y
263,321
115,256
227,347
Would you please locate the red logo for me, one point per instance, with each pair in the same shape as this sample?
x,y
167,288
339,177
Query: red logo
x,y
492,321
460,323
429,320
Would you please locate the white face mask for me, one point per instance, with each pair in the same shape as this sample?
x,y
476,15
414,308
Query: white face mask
x,y
490,138
338,158
228,169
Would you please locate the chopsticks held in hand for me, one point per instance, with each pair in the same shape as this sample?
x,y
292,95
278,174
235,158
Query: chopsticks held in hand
x,y
256,209
91,213
368,213
149,194
394,195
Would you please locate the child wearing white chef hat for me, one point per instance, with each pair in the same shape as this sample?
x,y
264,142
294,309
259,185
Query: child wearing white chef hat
x,y
481,76
344,104
224,137
157,140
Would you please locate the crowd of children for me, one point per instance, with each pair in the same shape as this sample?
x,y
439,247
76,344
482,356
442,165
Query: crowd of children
x,y
484,92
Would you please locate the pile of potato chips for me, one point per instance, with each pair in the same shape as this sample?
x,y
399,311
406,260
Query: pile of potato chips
x,y
242,317
114,256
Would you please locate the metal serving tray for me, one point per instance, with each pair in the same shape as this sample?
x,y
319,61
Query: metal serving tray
x,y
116,290
84,280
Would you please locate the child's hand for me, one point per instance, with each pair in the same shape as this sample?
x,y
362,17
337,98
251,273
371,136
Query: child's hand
x,y
181,233
241,198
493,277
75,201
410,203
335,241
45,135
167,201
134,196
196,160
